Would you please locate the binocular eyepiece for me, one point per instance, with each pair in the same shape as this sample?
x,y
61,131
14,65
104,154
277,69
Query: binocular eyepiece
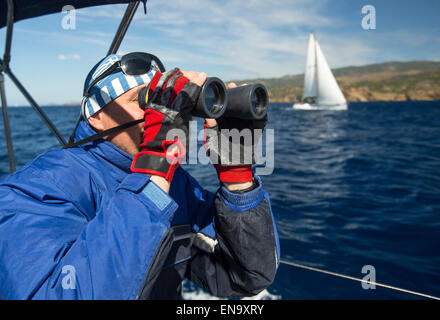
x,y
246,102
215,100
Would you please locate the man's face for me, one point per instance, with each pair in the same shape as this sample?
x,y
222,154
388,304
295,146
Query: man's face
x,y
122,110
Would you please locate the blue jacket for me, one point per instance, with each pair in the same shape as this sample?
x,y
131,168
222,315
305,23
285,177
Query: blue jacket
x,y
77,224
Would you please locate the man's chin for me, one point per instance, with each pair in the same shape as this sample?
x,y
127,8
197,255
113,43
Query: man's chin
x,y
133,150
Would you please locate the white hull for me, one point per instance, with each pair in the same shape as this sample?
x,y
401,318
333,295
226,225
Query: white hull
x,y
311,106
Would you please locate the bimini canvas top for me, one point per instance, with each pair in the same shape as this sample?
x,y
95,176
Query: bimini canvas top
x,y
25,9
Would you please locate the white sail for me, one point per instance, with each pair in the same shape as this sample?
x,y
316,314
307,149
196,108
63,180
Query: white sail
x,y
329,93
310,80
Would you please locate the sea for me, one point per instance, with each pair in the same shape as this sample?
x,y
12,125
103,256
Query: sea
x,y
353,193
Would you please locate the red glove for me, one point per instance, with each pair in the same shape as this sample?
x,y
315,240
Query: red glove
x,y
171,97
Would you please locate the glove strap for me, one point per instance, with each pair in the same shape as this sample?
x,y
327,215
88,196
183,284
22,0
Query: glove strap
x,y
234,173
164,165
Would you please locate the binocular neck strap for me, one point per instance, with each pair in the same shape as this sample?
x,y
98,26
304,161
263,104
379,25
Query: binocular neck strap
x,y
103,134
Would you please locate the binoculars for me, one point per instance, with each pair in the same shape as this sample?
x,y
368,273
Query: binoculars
x,y
246,102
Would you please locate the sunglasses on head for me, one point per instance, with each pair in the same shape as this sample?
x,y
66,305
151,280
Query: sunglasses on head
x,y
131,64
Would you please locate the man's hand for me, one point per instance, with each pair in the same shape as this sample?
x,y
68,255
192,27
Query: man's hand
x,y
236,175
171,97
197,78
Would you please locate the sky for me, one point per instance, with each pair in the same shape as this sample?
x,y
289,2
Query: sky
x,y
230,39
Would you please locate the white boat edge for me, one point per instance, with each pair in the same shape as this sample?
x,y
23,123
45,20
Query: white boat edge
x,y
308,106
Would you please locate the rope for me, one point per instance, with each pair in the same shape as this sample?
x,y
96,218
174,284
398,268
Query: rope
x,y
357,279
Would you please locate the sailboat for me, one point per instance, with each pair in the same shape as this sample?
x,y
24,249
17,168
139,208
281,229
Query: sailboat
x,y
321,91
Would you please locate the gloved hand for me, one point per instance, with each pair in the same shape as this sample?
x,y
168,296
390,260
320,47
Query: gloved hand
x,y
171,97
233,158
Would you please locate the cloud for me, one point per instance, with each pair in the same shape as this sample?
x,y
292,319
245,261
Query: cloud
x,y
63,57
407,37
78,37
252,38
240,39
107,11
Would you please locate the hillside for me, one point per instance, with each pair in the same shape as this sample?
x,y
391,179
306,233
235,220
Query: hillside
x,y
390,81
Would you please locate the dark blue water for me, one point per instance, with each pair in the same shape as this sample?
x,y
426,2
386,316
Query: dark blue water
x,y
349,189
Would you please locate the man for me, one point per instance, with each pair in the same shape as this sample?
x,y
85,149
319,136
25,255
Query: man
x,y
118,218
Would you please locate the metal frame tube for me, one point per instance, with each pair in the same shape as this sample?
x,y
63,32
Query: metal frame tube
x,y
6,124
36,107
123,26
7,70
4,67
9,28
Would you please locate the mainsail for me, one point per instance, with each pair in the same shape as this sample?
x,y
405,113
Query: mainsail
x,y
310,83
319,81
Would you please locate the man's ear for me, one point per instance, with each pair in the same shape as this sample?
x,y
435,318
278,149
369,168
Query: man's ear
x,y
96,121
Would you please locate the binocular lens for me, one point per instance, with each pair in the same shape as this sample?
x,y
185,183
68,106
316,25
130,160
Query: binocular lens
x,y
213,98
259,101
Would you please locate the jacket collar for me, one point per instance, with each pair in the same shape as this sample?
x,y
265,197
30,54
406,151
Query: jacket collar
x,y
117,162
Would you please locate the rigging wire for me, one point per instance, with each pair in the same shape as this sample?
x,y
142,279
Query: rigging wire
x,y
357,279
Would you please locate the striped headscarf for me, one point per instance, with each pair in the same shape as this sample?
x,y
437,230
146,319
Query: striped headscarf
x,y
111,86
